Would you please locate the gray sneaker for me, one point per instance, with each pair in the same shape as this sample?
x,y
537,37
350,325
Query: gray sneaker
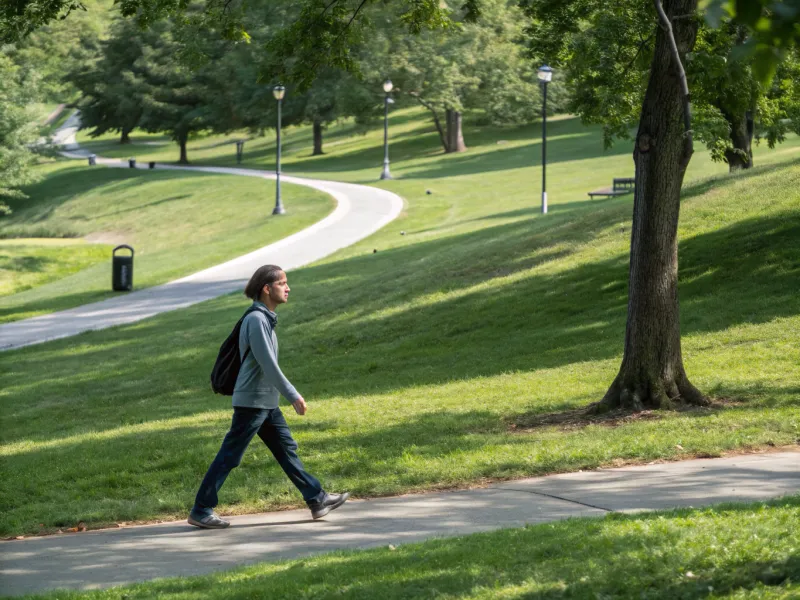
x,y
212,521
330,502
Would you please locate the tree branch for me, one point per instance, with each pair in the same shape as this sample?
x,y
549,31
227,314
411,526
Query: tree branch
x,y
642,44
350,22
430,107
342,32
666,25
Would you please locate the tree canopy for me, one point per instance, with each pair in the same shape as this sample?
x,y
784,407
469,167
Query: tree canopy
x,y
17,130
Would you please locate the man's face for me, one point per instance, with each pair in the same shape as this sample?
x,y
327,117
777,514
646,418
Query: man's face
x,y
279,290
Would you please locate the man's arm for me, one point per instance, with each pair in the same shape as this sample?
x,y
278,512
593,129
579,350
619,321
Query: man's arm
x,y
259,335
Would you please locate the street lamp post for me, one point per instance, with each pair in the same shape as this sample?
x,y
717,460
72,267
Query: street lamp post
x,y
278,91
387,87
545,74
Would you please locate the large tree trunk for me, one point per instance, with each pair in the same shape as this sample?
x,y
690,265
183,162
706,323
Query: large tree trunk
x,y
455,137
741,156
317,138
182,139
125,138
652,373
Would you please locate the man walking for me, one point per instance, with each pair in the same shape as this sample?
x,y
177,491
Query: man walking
x,y
259,385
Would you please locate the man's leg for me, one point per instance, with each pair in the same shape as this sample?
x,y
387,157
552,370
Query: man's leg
x,y
276,435
244,425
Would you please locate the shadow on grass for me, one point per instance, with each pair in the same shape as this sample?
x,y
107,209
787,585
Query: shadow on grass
x,y
60,187
431,313
26,264
9,312
568,140
423,314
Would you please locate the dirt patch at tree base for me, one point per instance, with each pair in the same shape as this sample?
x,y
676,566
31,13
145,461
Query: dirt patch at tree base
x,y
579,418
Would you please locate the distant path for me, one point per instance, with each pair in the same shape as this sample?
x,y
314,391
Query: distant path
x,y
100,559
56,112
361,210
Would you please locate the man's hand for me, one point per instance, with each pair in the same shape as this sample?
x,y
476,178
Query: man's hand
x,y
300,406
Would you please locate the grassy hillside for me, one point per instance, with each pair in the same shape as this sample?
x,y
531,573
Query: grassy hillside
x,y
431,363
178,222
576,161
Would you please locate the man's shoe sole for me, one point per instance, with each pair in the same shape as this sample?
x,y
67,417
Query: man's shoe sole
x,y
197,523
327,509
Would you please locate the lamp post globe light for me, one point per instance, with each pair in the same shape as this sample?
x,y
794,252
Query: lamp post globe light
x,y
279,92
545,74
387,88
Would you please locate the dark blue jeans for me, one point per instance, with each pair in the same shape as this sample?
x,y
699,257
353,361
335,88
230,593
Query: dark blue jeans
x,y
273,430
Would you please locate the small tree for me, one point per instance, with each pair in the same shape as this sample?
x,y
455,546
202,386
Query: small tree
x,y
334,95
476,66
107,75
17,130
174,99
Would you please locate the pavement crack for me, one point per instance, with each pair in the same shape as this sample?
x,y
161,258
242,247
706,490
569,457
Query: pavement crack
x,y
610,510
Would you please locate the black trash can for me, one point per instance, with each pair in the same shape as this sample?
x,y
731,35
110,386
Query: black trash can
x,y
92,160
122,270
152,164
132,163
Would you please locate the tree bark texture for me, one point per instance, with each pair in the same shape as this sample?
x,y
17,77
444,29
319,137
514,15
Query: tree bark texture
x,y
317,138
182,143
652,373
741,156
454,135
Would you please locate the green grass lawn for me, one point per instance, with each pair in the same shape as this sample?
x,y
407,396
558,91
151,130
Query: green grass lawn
x,y
428,363
178,223
745,551
29,262
576,161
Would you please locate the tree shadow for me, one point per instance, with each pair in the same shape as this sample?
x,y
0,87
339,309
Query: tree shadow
x,y
8,312
471,305
60,187
141,206
26,264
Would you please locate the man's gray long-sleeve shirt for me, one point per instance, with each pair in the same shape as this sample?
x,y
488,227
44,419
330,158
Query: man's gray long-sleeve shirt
x,y
261,382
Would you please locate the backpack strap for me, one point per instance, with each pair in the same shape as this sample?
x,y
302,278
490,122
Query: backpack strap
x,y
250,309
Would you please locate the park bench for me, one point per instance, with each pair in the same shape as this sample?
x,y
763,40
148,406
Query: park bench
x,y
622,185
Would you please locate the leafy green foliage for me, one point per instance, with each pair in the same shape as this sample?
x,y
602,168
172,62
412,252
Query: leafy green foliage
x,y
779,108
17,130
472,66
108,76
49,52
773,25
324,33
19,18
606,56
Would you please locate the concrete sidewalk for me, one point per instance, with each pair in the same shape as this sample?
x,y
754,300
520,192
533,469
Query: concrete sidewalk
x,y
117,556
361,210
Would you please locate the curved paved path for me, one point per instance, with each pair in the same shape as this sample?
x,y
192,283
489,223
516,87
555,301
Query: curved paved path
x,y
361,210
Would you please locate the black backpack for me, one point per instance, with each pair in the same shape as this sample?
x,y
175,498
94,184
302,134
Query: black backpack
x,y
227,366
